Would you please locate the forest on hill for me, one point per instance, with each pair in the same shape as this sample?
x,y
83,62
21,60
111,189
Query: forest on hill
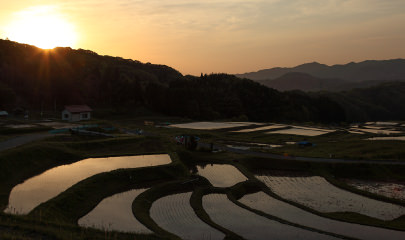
x,y
37,79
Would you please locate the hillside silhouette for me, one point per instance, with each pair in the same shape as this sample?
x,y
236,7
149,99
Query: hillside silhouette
x,y
37,79
369,70
317,77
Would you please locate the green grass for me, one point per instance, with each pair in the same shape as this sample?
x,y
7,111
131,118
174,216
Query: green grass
x,y
16,227
10,131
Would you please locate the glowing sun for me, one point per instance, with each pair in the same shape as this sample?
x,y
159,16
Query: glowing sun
x,y
43,27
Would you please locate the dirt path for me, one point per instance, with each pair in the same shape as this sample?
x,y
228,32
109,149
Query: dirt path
x,y
21,140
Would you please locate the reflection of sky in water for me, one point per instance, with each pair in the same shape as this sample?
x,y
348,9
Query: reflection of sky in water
x,y
115,213
221,175
275,126
212,125
300,131
376,131
174,214
36,190
315,192
274,207
250,225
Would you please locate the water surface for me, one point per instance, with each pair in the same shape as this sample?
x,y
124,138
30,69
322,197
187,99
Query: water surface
x,y
115,214
317,193
275,126
250,225
310,132
267,204
377,131
221,175
174,214
36,190
400,138
213,125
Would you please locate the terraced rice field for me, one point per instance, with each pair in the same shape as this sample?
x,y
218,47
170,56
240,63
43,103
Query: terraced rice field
x,y
174,214
221,175
275,126
267,204
115,214
382,123
26,196
400,138
391,190
302,131
376,131
213,125
316,193
250,225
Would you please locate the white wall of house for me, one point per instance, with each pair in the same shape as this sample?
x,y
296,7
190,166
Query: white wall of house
x,y
74,117
66,115
85,116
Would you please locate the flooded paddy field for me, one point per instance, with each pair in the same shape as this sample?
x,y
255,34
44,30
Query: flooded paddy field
x,y
174,214
387,189
267,204
302,131
399,138
376,130
115,214
317,193
221,175
250,225
213,125
29,194
306,206
275,126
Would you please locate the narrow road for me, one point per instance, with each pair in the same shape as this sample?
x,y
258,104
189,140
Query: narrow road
x,y
304,159
21,140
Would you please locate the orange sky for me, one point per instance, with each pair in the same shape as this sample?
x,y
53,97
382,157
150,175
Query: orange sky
x,y
232,36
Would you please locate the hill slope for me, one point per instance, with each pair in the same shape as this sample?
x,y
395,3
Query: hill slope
x,y
38,79
353,72
303,82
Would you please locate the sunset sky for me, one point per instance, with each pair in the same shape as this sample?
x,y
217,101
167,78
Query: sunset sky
x,y
232,36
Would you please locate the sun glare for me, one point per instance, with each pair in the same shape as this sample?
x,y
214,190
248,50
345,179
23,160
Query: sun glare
x,y
43,27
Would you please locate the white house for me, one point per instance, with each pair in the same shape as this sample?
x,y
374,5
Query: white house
x,y
76,113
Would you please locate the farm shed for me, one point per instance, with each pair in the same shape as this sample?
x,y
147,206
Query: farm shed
x,y
76,113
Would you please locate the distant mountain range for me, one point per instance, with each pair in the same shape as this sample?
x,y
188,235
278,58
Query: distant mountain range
x,y
316,76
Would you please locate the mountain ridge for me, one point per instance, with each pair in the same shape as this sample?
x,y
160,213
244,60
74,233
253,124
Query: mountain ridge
x,y
368,70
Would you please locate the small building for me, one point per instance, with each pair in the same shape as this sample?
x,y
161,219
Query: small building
x,y
3,114
76,113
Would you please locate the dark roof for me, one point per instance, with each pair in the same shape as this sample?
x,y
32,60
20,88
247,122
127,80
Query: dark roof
x,y
78,108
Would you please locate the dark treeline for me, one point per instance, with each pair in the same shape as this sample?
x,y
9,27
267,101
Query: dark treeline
x,y
38,79
382,102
